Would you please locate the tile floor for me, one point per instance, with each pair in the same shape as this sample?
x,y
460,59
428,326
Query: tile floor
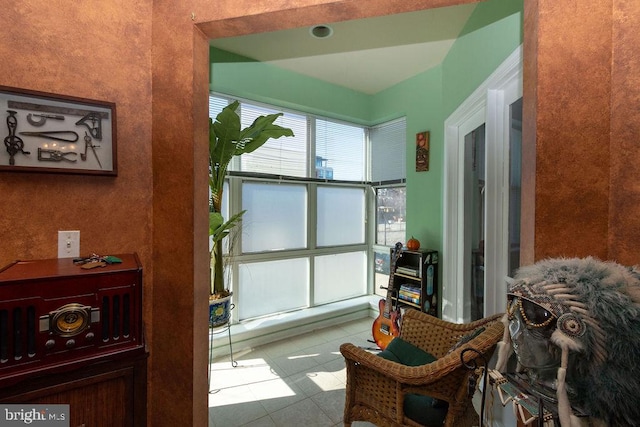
x,y
289,383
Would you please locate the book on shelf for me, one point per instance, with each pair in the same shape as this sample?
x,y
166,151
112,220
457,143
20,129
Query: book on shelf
x,y
409,293
409,299
408,271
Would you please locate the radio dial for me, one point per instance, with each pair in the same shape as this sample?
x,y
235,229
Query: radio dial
x,y
70,319
70,343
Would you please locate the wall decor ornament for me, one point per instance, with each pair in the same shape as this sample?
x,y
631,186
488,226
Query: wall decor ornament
x,y
422,151
57,133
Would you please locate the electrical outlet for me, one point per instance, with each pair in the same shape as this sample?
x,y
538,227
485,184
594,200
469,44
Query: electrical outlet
x,y
68,244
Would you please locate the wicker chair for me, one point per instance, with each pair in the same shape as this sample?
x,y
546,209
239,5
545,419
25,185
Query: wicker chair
x,y
376,387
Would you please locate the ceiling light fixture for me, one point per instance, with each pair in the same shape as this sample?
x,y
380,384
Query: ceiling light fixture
x,y
321,31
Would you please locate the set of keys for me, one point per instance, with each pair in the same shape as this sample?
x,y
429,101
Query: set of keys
x,y
95,260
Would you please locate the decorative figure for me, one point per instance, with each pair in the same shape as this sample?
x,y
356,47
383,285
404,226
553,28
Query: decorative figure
x,y
422,151
574,326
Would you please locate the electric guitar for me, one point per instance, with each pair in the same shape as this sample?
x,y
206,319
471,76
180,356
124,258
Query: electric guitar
x,y
386,326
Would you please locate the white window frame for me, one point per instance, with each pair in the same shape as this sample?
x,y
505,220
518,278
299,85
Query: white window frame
x,y
488,101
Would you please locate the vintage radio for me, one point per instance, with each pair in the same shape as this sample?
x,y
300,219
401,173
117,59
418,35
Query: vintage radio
x,y
56,315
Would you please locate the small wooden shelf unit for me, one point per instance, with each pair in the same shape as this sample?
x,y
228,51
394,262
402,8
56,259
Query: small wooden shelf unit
x,y
415,280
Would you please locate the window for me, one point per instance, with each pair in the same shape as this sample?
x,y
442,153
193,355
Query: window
x,y
388,170
298,246
269,287
340,276
336,225
388,151
282,156
275,218
340,151
390,215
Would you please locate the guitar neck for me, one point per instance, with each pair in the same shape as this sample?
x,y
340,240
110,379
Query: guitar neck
x,y
390,289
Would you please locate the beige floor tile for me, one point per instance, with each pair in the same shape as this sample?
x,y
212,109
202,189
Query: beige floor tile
x,y
304,413
295,382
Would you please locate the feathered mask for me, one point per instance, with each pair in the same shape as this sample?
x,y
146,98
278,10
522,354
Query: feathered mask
x,y
581,316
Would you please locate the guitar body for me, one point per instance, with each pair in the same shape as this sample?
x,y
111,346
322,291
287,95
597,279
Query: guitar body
x,y
385,328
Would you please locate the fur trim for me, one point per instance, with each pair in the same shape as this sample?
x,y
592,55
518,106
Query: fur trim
x,y
597,304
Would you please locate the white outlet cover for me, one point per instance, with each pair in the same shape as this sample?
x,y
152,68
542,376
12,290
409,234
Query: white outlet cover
x,y
69,244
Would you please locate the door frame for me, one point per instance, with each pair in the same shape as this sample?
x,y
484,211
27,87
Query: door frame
x,y
488,99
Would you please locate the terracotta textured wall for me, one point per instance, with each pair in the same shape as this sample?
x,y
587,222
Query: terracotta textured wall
x,y
624,210
100,51
582,88
150,58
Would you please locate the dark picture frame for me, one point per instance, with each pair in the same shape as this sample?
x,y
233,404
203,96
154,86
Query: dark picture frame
x,y
57,134
422,151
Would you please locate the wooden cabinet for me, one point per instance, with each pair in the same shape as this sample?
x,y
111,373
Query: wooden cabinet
x,y
111,393
415,280
74,336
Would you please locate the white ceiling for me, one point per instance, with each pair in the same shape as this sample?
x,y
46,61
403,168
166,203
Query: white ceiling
x,y
366,55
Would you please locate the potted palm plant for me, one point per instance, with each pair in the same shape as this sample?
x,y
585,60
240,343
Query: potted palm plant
x,y
226,140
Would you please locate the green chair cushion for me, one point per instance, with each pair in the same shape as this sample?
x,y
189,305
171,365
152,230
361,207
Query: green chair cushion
x,y
401,351
423,409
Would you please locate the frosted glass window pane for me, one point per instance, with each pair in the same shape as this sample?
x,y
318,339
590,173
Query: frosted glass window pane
x,y
273,286
225,215
276,217
341,213
340,276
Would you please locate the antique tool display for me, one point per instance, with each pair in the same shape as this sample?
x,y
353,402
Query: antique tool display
x,y
29,106
88,144
93,122
42,120
55,126
45,155
57,135
13,143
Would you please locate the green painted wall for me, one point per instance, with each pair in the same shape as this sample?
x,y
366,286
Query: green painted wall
x,y
493,31
420,100
244,78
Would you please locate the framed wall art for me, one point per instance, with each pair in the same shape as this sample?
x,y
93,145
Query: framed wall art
x,y
422,151
56,133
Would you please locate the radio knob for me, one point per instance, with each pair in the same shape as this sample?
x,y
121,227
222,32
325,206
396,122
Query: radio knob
x,y
50,344
70,343
90,336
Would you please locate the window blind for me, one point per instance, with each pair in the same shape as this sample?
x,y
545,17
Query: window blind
x,y
216,104
282,156
388,151
340,151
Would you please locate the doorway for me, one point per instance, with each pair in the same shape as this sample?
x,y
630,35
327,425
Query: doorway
x,y
482,195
